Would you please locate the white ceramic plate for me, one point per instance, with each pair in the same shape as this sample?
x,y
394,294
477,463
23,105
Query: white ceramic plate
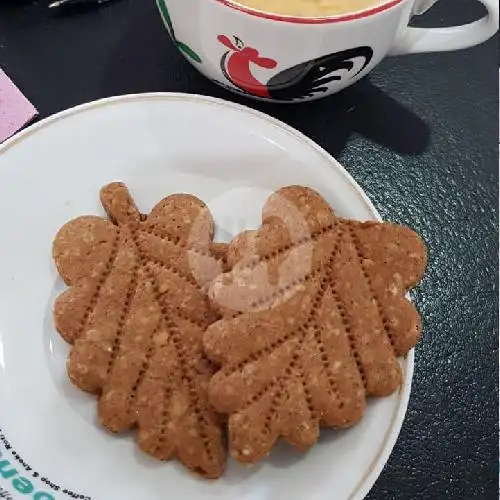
x,y
231,157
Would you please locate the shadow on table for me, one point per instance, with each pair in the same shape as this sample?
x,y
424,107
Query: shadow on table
x,y
145,60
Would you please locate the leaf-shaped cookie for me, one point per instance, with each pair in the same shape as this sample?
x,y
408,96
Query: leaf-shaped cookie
x,y
315,317
135,312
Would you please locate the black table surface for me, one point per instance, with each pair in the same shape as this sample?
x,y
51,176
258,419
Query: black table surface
x,y
419,135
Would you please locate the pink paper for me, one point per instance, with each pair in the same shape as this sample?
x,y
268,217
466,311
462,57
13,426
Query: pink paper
x,y
15,109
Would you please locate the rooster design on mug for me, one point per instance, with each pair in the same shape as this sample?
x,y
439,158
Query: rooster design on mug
x,y
298,82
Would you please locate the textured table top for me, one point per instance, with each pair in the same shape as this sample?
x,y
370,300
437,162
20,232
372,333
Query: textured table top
x,y
419,135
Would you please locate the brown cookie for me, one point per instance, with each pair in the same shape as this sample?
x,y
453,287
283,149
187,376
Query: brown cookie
x,y
315,316
135,312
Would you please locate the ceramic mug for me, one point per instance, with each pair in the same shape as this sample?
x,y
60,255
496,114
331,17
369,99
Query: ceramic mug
x,y
290,59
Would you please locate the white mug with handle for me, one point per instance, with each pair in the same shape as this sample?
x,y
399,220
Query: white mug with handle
x,y
285,58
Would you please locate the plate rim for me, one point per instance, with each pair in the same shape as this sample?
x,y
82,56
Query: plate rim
x,y
375,469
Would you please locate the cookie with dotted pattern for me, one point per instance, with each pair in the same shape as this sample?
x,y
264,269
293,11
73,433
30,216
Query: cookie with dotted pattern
x,y
135,312
315,317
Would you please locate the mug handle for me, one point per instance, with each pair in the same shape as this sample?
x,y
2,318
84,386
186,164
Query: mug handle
x,y
417,40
